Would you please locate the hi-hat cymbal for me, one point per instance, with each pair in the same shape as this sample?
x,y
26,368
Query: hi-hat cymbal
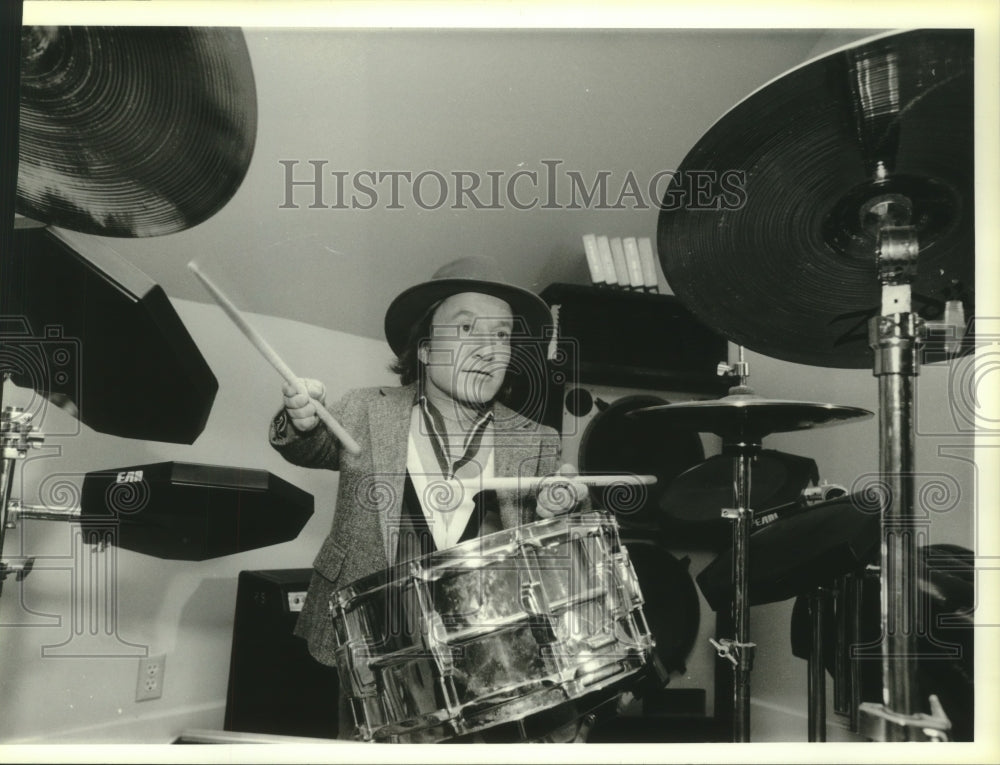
x,y
133,131
747,416
768,231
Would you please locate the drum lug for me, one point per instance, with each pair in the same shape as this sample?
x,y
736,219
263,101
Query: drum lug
x,y
363,730
594,672
628,584
595,643
358,656
447,685
529,599
436,635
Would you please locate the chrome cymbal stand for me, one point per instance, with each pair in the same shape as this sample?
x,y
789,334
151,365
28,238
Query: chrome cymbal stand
x,y
739,651
895,336
818,601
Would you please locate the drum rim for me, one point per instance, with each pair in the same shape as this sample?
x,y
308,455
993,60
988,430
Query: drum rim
x,y
489,546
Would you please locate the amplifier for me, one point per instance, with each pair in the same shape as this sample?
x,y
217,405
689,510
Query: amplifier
x,y
275,685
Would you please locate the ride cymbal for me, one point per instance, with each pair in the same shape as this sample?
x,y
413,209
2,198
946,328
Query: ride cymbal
x,y
133,131
768,231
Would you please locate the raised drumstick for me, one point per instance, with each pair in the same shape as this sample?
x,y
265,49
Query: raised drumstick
x,y
275,360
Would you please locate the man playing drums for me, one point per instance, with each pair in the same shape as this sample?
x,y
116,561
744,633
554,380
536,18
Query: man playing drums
x,y
422,444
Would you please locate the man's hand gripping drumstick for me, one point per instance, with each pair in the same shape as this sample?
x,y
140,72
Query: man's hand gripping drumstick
x,y
295,388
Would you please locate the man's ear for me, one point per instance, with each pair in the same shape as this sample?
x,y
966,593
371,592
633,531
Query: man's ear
x,y
422,352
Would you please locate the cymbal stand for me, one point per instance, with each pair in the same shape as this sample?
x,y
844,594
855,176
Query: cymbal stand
x,y
841,666
16,437
850,652
895,336
739,651
846,673
818,599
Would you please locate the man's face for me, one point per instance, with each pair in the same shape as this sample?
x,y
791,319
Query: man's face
x,y
468,351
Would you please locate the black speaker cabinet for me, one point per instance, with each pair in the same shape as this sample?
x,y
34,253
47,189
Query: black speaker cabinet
x,y
275,686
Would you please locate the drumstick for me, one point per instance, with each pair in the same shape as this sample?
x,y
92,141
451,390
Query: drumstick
x,y
530,483
275,360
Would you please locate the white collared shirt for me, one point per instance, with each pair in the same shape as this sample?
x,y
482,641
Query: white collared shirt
x,y
447,501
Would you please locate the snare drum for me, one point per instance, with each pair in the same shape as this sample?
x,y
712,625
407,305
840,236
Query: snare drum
x,y
491,631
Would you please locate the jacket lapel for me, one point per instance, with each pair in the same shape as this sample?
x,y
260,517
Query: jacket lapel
x,y
389,421
515,454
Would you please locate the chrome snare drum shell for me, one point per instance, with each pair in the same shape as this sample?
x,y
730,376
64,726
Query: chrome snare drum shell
x,y
491,631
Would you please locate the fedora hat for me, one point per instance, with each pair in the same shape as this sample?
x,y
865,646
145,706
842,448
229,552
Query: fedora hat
x,y
470,274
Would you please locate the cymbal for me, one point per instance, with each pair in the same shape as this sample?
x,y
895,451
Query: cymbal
x,y
767,232
748,416
133,131
699,493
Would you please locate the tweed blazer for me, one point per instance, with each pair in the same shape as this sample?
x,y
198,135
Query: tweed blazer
x,y
370,494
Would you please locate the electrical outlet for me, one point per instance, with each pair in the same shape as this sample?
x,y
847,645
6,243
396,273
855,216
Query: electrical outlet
x,y
149,684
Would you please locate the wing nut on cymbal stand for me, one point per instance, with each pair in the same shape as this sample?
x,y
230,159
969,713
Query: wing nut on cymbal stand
x,y
740,655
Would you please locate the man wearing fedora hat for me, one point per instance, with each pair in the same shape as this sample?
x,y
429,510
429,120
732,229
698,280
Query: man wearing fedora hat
x,y
455,338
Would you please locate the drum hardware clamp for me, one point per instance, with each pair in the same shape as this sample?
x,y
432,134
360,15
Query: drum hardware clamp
x,y
739,654
17,436
20,570
738,369
18,433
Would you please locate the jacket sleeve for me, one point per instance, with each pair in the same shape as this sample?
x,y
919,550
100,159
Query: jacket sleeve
x,y
550,456
317,448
